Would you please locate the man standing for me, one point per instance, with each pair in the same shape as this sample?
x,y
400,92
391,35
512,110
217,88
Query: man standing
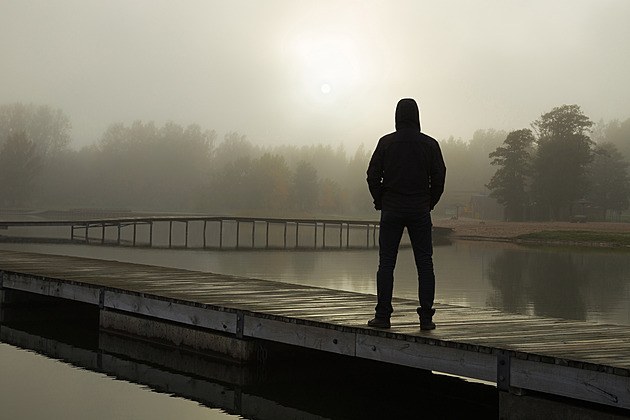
x,y
406,179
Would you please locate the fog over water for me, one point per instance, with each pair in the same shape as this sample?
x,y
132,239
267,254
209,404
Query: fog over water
x,y
285,72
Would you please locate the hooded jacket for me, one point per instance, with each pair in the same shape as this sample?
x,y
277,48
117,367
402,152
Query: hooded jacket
x,y
407,171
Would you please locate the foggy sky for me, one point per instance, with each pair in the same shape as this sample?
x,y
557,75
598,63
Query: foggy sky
x,y
305,72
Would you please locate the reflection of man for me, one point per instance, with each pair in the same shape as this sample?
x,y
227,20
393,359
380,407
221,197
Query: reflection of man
x,y
406,178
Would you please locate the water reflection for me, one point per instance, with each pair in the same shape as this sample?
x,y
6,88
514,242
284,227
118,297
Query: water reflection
x,y
575,284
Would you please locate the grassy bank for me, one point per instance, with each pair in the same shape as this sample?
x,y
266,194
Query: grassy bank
x,y
615,239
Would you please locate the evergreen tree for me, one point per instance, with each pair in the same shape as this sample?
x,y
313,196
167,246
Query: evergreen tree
x,y
508,184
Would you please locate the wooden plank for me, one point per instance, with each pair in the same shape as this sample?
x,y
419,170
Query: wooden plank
x,y
164,309
612,390
429,357
308,336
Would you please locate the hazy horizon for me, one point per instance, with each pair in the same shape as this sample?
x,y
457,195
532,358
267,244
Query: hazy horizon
x,y
292,72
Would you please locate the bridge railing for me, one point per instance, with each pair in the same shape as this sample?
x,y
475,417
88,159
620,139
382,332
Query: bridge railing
x,y
199,232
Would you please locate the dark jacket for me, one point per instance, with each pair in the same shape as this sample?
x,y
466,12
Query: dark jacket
x,y
407,171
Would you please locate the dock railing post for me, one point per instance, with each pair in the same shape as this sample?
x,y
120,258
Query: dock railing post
x,y
170,233
374,239
221,234
1,298
103,234
253,233
87,227
297,230
348,235
340,235
205,223
119,227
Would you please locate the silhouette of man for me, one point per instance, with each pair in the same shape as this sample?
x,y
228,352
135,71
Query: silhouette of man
x,y
406,179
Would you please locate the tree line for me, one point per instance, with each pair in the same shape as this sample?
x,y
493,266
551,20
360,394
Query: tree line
x,y
171,168
556,170
145,167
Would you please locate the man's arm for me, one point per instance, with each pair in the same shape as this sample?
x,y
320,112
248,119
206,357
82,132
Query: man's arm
x,y
375,176
438,175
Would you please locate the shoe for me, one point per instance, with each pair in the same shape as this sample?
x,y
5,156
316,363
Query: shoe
x,y
427,325
379,323
426,319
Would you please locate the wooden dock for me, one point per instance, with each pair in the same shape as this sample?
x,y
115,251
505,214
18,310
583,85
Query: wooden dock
x,y
580,360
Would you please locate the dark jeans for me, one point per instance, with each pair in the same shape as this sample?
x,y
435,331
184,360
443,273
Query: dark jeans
x,y
419,227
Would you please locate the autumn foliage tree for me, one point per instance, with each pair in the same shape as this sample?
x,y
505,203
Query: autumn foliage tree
x,y
47,128
19,165
305,186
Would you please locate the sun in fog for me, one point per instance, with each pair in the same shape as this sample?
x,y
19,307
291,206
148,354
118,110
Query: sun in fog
x,y
329,64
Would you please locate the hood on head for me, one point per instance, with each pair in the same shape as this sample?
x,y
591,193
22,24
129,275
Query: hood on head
x,y
407,114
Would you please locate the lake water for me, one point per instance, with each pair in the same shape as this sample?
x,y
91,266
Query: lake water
x,y
570,283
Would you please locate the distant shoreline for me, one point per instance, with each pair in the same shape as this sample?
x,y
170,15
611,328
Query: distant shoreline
x,y
591,234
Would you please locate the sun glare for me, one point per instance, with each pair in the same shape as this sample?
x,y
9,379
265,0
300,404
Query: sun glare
x,y
328,61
